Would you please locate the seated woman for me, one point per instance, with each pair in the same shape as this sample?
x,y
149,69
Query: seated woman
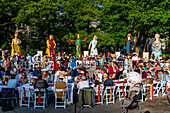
x,y
23,79
45,76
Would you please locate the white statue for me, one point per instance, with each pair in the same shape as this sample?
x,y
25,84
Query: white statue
x,y
156,46
93,48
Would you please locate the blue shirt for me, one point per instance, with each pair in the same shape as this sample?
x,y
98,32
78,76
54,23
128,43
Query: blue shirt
x,y
12,83
36,72
73,63
161,76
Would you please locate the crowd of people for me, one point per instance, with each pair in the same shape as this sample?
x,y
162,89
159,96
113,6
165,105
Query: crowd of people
x,y
62,68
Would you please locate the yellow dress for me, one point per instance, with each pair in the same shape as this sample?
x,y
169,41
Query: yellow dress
x,y
15,46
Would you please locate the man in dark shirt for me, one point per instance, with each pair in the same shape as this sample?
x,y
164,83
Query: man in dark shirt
x,y
40,83
108,82
36,72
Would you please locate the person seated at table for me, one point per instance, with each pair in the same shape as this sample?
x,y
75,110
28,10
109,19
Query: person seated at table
x,y
78,78
12,83
108,82
57,73
45,76
103,72
18,75
83,83
87,77
160,77
40,83
13,70
74,73
149,74
23,79
96,83
36,71
61,85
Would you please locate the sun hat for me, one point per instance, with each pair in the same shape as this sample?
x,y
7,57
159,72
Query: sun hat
x,y
62,74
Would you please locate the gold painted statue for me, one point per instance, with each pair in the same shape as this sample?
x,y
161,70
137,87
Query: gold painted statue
x,y
50,46
15,45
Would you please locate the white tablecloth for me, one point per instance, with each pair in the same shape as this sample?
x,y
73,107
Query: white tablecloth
x,y
2,86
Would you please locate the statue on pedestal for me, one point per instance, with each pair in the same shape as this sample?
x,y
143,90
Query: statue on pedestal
x,y
93,48
156,46
50,46
78,45
129,45
15,45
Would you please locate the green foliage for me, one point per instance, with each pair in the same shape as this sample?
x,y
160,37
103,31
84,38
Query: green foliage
x,y
65,18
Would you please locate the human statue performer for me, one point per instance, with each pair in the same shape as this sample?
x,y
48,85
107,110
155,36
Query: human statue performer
x,y
50,46
78,45
15,45
129,45
156,46
93,48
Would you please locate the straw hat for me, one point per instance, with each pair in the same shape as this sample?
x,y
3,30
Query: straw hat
x,y
62,74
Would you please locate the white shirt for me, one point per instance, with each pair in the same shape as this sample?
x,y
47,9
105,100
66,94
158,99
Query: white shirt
x,y
135,58
100,76
82,84
56,74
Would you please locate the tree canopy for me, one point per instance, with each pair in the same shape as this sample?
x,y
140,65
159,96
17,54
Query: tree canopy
x,y
109,20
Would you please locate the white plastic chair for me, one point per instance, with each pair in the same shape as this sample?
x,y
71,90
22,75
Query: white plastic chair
x,y
107,94
100,93
163,86
146,87
157,88
25,96
121,88
43,98
58,103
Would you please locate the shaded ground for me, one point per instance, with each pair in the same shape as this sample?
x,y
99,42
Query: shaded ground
x,y
157,105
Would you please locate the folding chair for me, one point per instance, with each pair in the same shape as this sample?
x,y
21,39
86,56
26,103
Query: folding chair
x,y
168,86
99,94
60,103
109,94
40,98
164,88
157,88
25,96
146,87
121,90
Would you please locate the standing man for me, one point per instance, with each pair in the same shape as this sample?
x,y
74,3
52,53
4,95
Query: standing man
x,y
50,46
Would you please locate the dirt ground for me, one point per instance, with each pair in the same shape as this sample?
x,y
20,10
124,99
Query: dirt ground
x,y
156,105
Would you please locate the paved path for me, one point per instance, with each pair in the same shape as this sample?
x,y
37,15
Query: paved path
x,y
111,108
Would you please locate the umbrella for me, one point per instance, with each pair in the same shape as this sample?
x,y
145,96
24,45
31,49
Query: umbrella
x,y
134,77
